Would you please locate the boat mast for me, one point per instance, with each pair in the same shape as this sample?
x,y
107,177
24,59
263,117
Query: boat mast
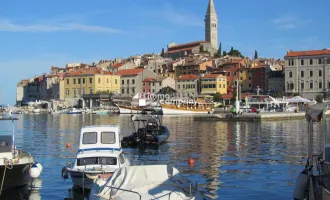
x,y
13,136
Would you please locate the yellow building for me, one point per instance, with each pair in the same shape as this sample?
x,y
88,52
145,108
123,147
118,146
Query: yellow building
x,y
168,74
90,81
245,79
213,83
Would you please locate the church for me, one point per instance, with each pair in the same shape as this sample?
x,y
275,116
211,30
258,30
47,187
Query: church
x,y
210,44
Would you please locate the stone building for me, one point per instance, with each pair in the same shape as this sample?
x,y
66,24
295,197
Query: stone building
x,y
307,72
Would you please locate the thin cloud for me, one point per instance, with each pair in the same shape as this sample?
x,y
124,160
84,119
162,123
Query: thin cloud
x,y
289,22
176,17
6,25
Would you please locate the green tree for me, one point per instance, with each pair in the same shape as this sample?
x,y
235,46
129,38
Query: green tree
x,y
217,97
162,54
219,50
255,54
319,98
224,53
201,49
235,52
167,90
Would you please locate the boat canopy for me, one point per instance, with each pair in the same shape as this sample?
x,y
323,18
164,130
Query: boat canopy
x,y
150,180
105,137
298,99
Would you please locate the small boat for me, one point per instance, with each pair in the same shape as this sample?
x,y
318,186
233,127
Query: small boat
x,y
151,132
99,153
74,111
100,112
36,110
187,106
145,182
17,167
154,110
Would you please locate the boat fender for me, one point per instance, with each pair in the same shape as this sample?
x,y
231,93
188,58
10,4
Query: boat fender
x,y
65,173
34,171
300,191
38,165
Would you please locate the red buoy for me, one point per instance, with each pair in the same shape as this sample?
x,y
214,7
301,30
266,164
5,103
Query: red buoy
x,y
191,161
68,145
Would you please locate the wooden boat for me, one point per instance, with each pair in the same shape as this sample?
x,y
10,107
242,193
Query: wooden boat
x,y
177,107
154,110
151,131
99,152
145,182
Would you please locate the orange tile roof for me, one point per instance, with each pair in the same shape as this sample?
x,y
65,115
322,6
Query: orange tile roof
x,y
129,72
187,77
147,79
308,53
87,71
213,76
117,65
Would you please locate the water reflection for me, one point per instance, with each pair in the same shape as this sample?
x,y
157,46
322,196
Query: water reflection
x,y
233,160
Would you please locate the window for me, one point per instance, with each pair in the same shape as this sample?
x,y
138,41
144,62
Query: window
x,y
78,80
99,80
228,73
320,72
311,61
311,85
122,91
302,74
122,82
301,62
116,81
108,137
235,73
290,74
97,161
320,85
127,81
107,80
74,92
127,90
89,138
67,81
133,81
153,90
320,61
311,73
241,78
144,84
249,78
301,86
250,85
83,80
178,86
133,90
224,86
74,81
90,80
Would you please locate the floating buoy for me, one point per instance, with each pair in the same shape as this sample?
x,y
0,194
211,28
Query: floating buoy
x,y
38,165
34,171
65,173
68,145
191,161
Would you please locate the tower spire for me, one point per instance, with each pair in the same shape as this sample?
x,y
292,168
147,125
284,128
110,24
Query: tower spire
x,y
211,25
211,8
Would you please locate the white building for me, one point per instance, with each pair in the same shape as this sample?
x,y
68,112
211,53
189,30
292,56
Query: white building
x,y
307,72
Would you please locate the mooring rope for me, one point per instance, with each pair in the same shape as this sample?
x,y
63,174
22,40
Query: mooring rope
x,y
6,161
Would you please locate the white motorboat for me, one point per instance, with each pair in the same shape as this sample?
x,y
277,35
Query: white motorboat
x,y
99,153
145,182
74,111
36,110
17,167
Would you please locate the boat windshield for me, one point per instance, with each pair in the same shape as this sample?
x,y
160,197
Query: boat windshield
x,y
97,161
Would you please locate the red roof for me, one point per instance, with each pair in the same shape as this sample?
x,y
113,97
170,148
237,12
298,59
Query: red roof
x,y
148,79
117,65
213,76
187,77
308,53
129,72
88,71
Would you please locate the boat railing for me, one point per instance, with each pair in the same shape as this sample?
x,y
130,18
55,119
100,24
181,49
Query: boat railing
x,y
122,190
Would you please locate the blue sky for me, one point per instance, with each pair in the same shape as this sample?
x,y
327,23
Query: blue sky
x,y
37,34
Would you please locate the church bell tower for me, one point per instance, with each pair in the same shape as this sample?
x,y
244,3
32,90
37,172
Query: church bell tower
x,y
211,25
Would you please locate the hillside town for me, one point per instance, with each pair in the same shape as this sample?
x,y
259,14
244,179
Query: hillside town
x,y
194,69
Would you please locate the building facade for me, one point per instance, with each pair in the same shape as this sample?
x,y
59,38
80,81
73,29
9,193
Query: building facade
x,y
131,80
307,73
188,85
213,83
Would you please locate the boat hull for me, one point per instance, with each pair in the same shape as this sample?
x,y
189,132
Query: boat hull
x,y
74,113
15,177
123,110
155,140
168,111
85,180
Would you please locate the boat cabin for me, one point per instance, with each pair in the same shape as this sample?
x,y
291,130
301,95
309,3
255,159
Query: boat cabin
x,y
6,147
99,138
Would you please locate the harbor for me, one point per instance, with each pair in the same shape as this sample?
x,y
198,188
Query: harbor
x,y
248,156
